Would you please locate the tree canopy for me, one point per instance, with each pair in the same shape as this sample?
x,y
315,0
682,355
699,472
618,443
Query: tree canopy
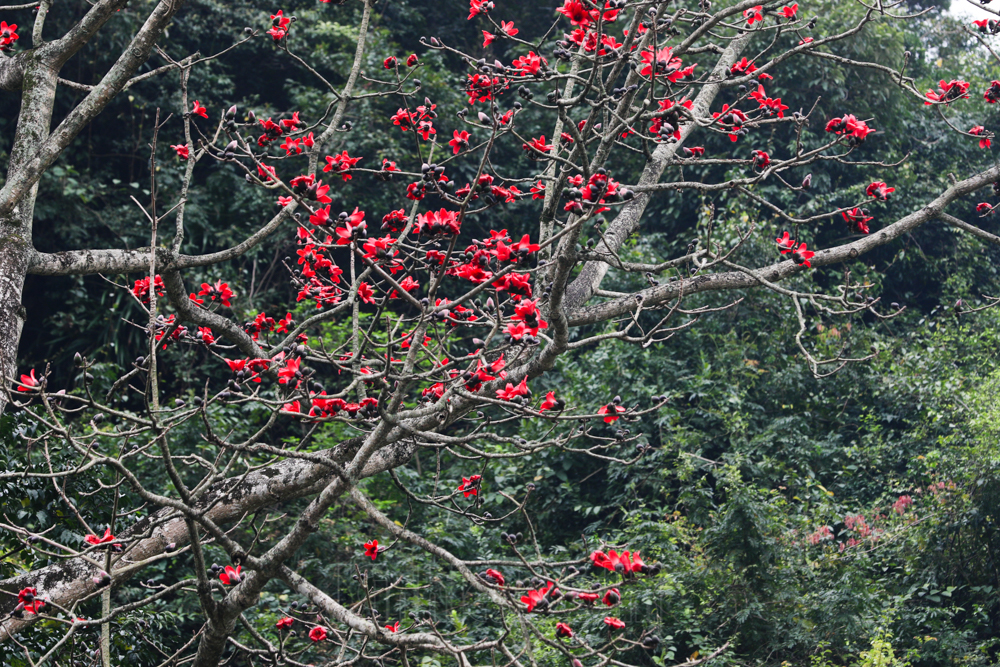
x,y
637,332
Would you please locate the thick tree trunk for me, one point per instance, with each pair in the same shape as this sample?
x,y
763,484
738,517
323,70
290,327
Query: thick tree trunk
x,y
16,249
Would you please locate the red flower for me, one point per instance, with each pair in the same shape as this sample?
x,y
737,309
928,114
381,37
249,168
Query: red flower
x,y
206,335
366,293
460,141
94,539
550,402
979,130
612,597
529,64
538,145
992,94
790,11
354,226
537,598
488,38
613,622
284,623
289,371
694,151
760,159
393,628
857,220
495,576
342,163
477,7
439,222
318,633
29,598
947,92
611,412
577,13
371,548
751,15
470,485
538,190
199,110
141,288
880,191
183,152
785,243
849,126
7,35
389,62
664,62
219,290
510,391
231,575
29,382
508,28
563,630
411,60
802,255
980,208
587,598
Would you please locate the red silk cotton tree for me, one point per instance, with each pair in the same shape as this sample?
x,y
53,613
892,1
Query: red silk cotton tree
x,y
449,330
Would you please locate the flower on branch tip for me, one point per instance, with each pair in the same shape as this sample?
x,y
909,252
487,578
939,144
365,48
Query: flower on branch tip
x,y
29,382
460,141
612,597
94,539
442,221
318,633
694,151
412,60
538,144
530,64
477,7
851,127
231,575
470,485
611,412
789,11
508,28
949,91
198,110
802,255
981,207
785,243
979,131
140,289
29,598
183,152
754,14
760,159
857,219
551,402
219,291
284,623
613,622
536,598
495,575
992,94
510,392
488,38
393,628
371,548
879,190
563,631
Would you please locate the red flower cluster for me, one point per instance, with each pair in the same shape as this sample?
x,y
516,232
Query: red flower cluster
x,y
218,292
849,126
948,92
857,219
800,255
625,564
27,600
141,289
279,26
